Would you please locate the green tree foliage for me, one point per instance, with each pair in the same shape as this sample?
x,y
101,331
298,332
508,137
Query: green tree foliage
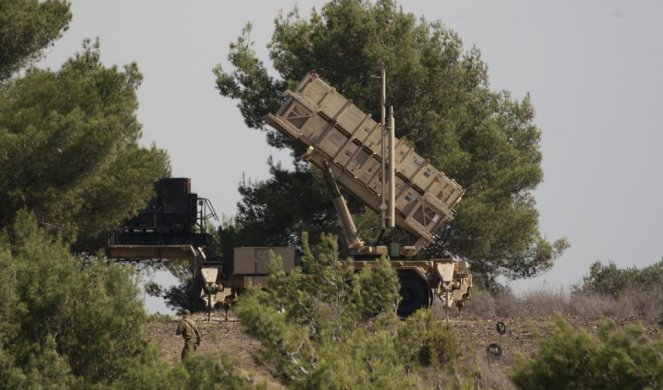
x,y
68,322
26,27
485,140
610,280
326,326
186,294
280,222
69,154
612,359
196,372
67,317
68,138
308,321
69,148
423,342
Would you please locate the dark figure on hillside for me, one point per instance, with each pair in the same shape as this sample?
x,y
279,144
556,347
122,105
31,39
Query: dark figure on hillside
x,y
189,331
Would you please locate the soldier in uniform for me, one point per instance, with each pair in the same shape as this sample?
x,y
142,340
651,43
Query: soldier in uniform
x,y
189,331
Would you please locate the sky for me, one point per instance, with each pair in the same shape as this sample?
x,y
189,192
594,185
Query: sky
x,y
593,70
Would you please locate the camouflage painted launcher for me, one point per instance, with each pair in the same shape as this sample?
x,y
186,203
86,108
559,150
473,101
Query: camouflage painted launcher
x,y
339,132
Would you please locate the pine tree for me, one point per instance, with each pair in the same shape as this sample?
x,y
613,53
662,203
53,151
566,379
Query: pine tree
x,y
69,148
486,140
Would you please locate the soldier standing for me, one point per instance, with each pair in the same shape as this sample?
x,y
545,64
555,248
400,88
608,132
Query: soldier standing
x,y
189,331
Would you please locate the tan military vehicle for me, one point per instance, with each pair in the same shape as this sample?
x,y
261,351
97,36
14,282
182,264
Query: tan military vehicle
x,y
352,150
389,177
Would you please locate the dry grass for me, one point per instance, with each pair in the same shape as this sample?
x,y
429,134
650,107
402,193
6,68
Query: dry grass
x,y
644,305
492,376
226,338
528,318
472,370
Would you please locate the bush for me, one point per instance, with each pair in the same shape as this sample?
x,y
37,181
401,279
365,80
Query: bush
x,y
196,372
639,292
574,359
609,280
67,322
335,328
425,342
88,313
331,327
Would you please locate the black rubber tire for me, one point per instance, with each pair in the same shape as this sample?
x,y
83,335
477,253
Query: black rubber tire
x,y
414,295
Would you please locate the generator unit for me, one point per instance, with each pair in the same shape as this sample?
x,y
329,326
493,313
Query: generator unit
x,y
172,217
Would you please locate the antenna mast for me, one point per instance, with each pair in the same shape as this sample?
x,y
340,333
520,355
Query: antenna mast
x,y
383,194
392,166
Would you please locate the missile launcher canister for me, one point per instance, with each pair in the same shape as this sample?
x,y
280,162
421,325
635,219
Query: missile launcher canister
x,y
337,131
346,144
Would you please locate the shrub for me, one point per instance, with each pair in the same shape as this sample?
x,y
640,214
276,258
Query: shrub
x,y
70,323
331,327
335,328
196,372
423,341
88,313
574,359
610,280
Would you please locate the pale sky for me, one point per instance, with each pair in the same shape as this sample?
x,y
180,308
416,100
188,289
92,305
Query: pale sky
x,y
594,70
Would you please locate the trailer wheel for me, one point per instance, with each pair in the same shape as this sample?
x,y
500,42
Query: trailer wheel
x,y
414,295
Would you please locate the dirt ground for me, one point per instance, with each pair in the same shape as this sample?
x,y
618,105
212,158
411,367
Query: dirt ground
x,y
522,337
229,340
219,337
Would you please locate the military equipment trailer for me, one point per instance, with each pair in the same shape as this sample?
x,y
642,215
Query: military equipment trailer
x,y
172,227
250,264
350,148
